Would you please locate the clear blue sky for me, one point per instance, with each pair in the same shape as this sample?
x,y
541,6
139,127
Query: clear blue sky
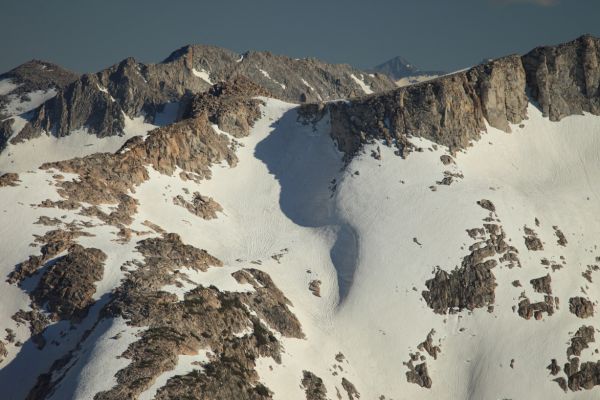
x,y
87,35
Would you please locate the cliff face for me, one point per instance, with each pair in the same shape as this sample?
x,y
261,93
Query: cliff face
x,y
451,110
565,79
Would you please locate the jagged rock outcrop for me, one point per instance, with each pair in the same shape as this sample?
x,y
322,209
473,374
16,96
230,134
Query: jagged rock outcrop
x,y
38,75
565,79
313,386
191,145
579,375
67,286
9,179
100,102
226,325
581,307
201,206
418,374
473,284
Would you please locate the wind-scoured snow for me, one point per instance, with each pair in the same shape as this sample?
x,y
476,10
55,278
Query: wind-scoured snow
x,y
7,86
365,88
202,74
22,104
32,153
372,231
266,75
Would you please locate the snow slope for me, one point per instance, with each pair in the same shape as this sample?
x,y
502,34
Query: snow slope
x,y
372,231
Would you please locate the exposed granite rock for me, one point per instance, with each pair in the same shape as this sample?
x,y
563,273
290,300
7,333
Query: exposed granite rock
x,y
581,340
191,145
565,79
488,205
428,345
315,287
418,374
53,243
37,322
449,110
350,389
527,309
313,386
38,75
561,239
469,287
579,375
201,206
581,307
473,284
542,285
532,242
100,102
4,353
268,302
9,179
227,325
67,286
231,105
553,367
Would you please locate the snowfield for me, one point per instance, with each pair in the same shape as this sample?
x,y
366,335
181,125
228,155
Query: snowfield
x,y
372,231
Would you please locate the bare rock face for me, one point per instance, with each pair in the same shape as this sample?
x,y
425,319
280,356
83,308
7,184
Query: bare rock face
x,y
565,79
313,386
67,286
225,324
191,145
315,287
38,75
581,307
418,374
201,206
532,242
30,77
500,87
100,102
473,284
3,351
542,285
350,389
53,243
9,179
561,239
449,110
527,309
578,375
428,345
231,105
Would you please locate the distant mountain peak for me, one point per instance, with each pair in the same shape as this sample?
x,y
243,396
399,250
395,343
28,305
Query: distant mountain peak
x,y
398,68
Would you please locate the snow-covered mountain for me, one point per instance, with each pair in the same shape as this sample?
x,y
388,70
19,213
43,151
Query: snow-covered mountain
x,y
404,73
434,241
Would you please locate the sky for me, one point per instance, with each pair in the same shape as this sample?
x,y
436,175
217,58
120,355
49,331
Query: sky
x,y
86,36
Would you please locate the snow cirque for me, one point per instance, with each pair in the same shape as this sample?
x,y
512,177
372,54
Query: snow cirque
x,y
371,231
